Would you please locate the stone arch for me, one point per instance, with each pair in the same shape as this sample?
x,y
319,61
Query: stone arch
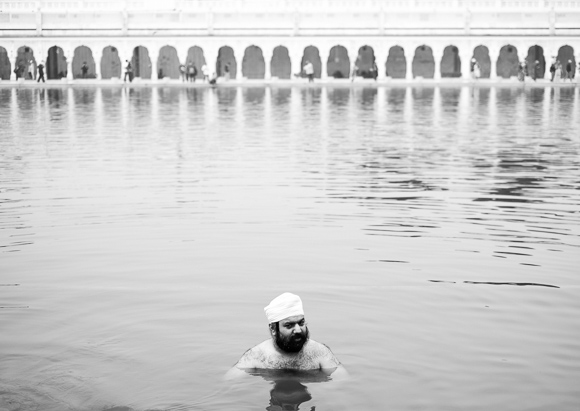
x,y
280,65
451,62
56,66
481,55
338,64
195,56
253,64
566,53
141,63
226,56
365,61
311,54
507,62
5,67
396,64
536,53
81,55
24,56
110,63
423,62
168,63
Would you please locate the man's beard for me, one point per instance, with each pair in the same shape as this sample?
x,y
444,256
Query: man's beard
x,y
293,342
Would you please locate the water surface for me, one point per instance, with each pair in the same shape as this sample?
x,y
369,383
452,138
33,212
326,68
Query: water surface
x,y
432,233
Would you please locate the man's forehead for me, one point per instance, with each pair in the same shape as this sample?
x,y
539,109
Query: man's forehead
x,y
293,319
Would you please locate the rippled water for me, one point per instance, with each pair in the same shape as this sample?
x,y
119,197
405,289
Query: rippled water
x,y
433,234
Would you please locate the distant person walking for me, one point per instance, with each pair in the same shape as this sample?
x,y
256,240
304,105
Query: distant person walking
x,y
558,74
128,72
227,71
205,72
569,70
41,72
191,72
354,72
31,70
182,72
522,71
309,71
535,70
84,70
553,70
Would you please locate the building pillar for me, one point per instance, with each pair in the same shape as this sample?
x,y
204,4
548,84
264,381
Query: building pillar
x,y
153,57
381,55
13,54
324,51
466,54
239,53
296,54
410,55
493,57
97,56
69,55
437,57
267,52
210,54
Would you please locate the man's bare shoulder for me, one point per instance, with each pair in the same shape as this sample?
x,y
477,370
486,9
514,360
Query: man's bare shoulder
x,y
255,356
323,354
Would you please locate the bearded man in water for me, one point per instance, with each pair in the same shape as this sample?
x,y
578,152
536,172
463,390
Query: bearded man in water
x,y
289,347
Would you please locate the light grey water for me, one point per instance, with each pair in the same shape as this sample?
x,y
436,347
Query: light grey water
x,y
432,233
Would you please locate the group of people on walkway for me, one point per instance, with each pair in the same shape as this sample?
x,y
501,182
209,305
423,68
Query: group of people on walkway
x,y
559,72
26,71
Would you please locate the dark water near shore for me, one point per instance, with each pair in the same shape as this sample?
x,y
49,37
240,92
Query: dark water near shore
x,y
432,233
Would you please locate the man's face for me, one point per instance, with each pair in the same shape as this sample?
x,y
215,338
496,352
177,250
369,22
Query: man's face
x,y
291,333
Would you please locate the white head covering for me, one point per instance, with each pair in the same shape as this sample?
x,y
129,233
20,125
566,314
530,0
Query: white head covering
x,y
284,306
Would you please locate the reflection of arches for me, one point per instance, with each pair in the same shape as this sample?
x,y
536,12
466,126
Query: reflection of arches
x,y
566,53
507,62
168,63
365,61
396,64
55,64
253,65
311,54
23,58
141,63
280,65
81,55
195,56
5,68
536,53
481,55
423,62
338,65
225,57
110,63
450,62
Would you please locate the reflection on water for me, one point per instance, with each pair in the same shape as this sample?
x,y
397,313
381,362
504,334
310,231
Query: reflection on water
x,y
433,231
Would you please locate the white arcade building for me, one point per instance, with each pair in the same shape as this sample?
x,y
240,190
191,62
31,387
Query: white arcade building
x,y
272,39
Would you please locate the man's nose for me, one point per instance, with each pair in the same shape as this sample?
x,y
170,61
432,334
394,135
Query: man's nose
x,y
296,329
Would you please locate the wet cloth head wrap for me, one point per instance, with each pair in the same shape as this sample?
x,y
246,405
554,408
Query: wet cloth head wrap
x,y
284,306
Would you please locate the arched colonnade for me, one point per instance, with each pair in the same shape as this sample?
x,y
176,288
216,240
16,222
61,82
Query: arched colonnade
x,y
255,62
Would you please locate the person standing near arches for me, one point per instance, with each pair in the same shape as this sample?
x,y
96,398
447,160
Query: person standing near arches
x,y
84,69
569,70
205,72
41,72
553,70
31,70
128,72
227,71
309,71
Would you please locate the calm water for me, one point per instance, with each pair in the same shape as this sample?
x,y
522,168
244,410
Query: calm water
x,y
433,235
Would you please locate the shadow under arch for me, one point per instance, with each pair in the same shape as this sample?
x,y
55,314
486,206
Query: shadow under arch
x,y
565,56
450,64
196,57
82,55
507,62
481,55
226,57
168,63
423,62
253,64
338,64
5,66
110,63
281,66
365,61
25,64
311,54
141,63
396,65
56,65
536,53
